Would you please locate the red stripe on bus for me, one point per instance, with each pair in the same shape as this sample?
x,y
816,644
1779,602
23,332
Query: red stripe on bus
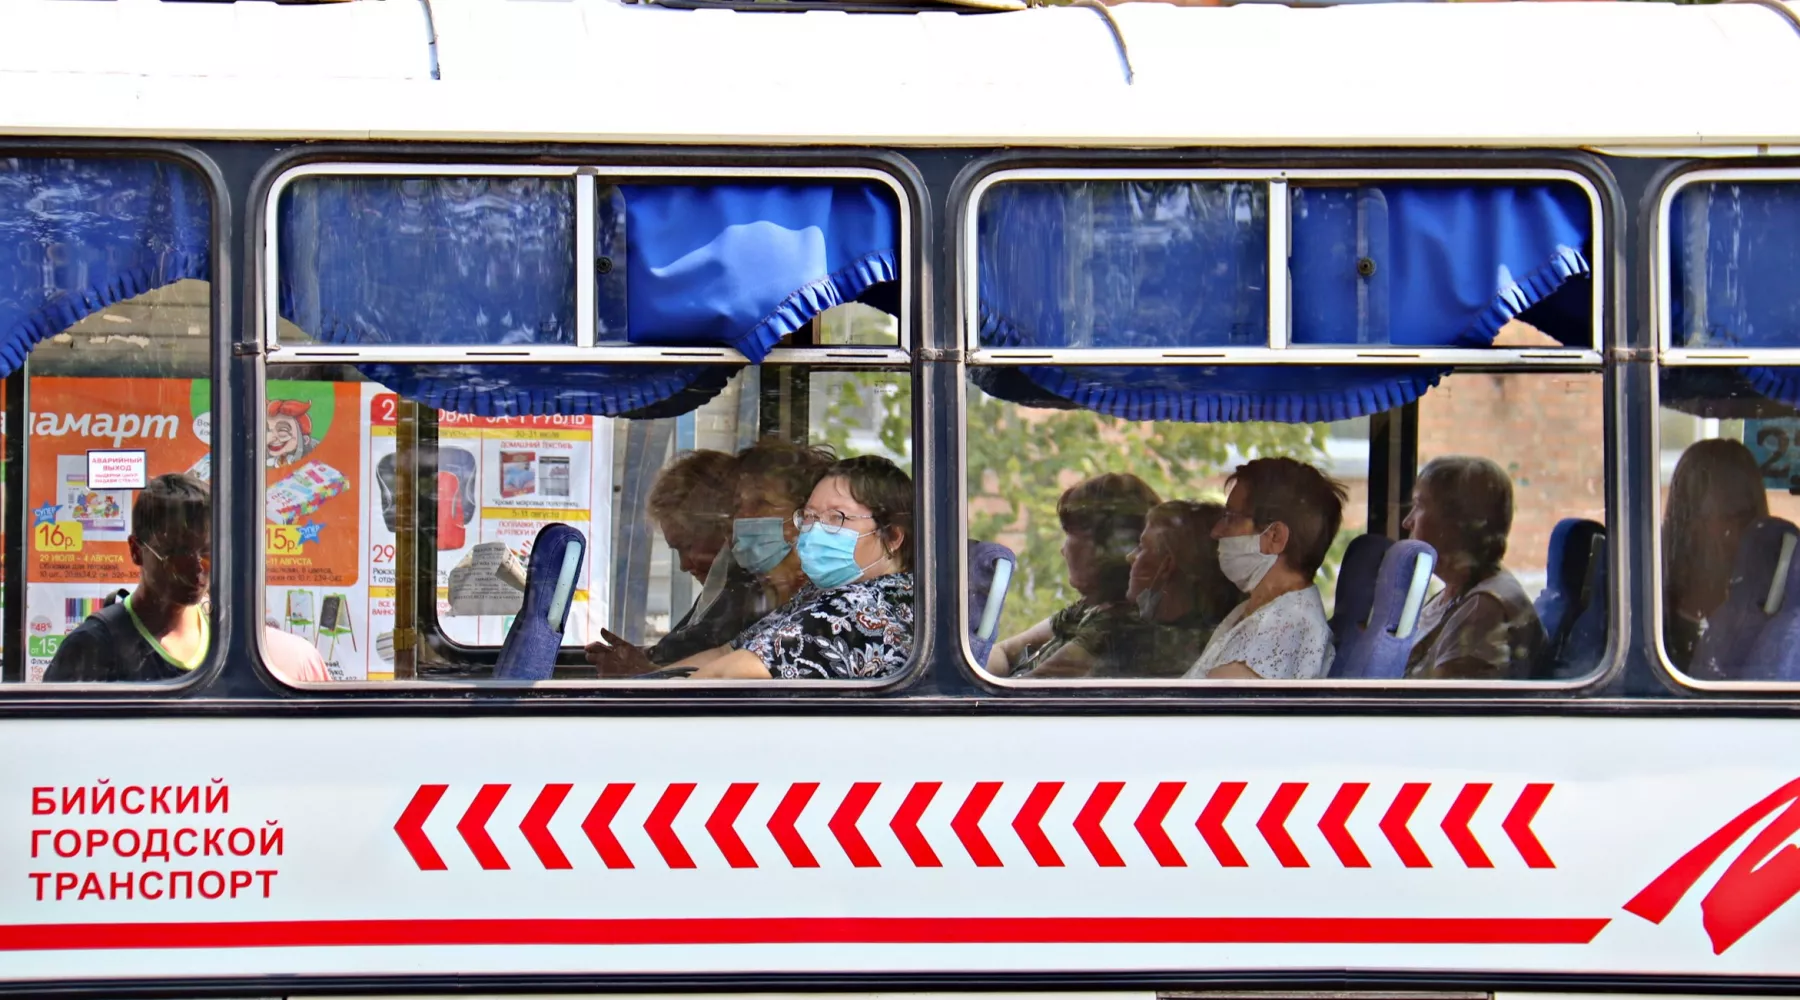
x,y
806,930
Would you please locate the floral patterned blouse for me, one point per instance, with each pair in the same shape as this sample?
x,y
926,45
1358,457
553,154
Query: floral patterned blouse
x,y
860,631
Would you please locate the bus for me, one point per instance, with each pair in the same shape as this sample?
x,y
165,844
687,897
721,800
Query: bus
x,y
1330,478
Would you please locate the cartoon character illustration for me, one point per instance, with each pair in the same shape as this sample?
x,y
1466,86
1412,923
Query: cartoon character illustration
x,y
290,432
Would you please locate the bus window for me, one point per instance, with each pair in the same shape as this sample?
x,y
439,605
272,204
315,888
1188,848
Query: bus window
x,y
1353,464
692,437
103,267
1730,482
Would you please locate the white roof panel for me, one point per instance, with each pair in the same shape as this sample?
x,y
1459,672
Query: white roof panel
x,y
1601,74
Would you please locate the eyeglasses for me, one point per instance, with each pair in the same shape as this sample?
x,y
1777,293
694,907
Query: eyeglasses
x,y
201,559
832,521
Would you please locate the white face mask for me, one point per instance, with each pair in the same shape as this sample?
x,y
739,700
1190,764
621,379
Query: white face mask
x,y
1243,561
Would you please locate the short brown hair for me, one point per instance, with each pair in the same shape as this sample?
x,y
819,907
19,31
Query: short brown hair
x,y
887,491
696,494
1109,508
1300,496
1476,496
791,469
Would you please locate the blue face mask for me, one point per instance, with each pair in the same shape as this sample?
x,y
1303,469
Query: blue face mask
x,y
760,543
829,560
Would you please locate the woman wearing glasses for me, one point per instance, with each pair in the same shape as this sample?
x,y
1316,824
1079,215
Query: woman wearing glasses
x,y
853,618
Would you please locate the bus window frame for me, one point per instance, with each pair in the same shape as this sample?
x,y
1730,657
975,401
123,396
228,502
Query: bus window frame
x,y
1668,356
585,170
980,177
220,302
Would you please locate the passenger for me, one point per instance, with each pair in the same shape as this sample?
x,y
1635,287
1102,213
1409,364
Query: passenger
x,y
1179,590
1102,519
1481,626
767,482
853,619
162,630
292,658
774,479
1280,519
1715,494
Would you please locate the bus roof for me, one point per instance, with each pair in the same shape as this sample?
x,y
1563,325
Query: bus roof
x,y
1644,75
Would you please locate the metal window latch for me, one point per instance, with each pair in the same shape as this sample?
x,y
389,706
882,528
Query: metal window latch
x,y
1628,354
954,355
247,350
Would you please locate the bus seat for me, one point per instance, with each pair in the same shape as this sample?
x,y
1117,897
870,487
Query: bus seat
x,y
1356,585
1743,635
1584,640
1567,568
1377,650
529,652
990,574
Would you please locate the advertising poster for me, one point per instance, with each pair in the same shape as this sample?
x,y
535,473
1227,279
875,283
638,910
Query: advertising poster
x,y
314,458
499,482
77,554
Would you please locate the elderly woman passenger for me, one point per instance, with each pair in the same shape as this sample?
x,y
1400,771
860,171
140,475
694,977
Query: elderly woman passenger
x,y
1280,519
755,496
852,619
1481,626
1179,590
1102,519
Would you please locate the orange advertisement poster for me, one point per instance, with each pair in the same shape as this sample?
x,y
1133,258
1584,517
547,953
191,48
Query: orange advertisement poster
x,y
77,535
314,457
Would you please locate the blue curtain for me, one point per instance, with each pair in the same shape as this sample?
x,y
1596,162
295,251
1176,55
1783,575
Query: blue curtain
x,y
745,265
77,236
1170,265
429,260
1735,254
1435,265
491,261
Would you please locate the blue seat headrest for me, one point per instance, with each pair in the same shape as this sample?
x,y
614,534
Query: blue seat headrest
x,y
551,575
987,561
1356,583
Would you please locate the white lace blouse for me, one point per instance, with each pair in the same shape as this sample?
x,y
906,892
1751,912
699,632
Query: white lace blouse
x,y
1284,640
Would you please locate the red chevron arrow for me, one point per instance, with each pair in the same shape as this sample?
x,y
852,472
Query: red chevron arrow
x,y
906,825
1092,814
1332,824
661,825
473,827
1393,825
1456,826
1518,826
411,828
781,824
598,825
1272,824
843,824
1211,824
719,825
1028,824
1149,824
536,826
967,824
